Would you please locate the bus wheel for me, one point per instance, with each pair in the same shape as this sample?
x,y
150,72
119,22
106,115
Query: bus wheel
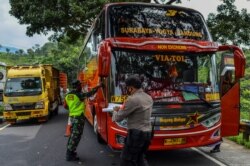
x,y
95,125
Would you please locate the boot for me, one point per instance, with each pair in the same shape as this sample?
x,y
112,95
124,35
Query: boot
x,y
72,156
215,149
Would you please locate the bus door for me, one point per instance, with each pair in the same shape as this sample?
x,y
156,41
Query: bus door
x,y
230,97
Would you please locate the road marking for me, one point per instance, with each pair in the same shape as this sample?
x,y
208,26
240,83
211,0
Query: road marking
x,y
4,127
209,157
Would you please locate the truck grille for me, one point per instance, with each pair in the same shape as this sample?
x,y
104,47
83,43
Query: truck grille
x,y
22,113
23,106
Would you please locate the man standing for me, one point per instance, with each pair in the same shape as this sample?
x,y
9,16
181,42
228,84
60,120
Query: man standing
x,y
137,109
74,103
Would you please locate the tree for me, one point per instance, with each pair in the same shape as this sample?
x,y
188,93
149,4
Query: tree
x,y
71,18
7,50
230,25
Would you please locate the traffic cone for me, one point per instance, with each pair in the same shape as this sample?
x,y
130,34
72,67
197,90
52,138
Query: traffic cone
x,y
68,128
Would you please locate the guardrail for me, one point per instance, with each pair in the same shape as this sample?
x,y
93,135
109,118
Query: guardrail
x,y
245,129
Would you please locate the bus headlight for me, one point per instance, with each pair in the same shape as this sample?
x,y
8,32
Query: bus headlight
x,y
211,121
39,105
7,107
122,123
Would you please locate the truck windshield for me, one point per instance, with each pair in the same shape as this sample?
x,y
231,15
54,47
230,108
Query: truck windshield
x,y
177,78
156,21
23,86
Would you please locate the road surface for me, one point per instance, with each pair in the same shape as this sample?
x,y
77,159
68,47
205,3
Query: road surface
x,y
44,144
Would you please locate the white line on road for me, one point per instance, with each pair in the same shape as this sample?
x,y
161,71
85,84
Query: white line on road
x,y
209,157
4,127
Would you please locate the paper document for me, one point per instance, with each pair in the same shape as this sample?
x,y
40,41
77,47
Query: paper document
x,y
110,107
190,96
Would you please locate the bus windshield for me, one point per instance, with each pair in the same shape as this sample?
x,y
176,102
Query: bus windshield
x,y
166,77
156,21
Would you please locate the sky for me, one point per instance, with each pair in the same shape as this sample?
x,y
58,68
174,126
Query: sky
x,y
13,34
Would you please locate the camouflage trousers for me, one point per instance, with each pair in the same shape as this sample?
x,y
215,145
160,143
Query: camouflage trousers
x,y
76,133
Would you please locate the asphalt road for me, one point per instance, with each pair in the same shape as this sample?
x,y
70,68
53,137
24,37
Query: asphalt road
x,y
35,144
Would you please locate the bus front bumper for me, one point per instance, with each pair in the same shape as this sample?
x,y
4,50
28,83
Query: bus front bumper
x,y
167,140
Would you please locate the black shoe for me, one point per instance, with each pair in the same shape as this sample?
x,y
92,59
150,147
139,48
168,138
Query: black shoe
x,y
214,150
74,154
72,158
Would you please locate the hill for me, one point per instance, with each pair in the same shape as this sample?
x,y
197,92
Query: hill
x,y
11,49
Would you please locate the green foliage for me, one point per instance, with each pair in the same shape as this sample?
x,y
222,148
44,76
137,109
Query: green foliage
x,y
203,74
245,90
70,18
63,55
230,25
65,18
239,140
14,59
247,145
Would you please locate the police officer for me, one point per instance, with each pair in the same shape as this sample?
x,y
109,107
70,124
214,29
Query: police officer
x,y
137,109
74,103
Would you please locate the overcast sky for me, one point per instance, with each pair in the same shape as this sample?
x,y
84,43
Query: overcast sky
x,y
12,34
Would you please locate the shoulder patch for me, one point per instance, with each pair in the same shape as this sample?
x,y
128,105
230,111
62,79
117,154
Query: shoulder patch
x,y
70,97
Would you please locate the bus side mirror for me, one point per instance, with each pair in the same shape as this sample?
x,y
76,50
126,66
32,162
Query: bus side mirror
x,y
104,59
239,63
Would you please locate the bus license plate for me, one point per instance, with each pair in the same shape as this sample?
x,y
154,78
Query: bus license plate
x,y
174,141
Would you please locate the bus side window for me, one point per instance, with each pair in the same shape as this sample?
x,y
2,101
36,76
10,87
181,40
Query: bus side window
x,y
99,31
227,81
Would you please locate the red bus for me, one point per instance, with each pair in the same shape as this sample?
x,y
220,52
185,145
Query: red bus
x,y
180,66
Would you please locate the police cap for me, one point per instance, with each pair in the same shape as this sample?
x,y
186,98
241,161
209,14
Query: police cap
x,y
133,81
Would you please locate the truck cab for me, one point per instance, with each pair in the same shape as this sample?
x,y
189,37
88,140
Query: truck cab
x,y
31,92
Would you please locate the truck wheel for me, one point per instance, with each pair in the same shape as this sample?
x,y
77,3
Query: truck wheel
x,y
43,119
98,136
12,122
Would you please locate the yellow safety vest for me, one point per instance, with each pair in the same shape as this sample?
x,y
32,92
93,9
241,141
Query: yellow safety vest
x,y
76,106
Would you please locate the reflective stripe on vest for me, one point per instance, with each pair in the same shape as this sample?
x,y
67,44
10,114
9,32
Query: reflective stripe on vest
x,y
76,106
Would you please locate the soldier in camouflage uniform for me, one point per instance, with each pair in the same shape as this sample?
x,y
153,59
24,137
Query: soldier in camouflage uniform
x,y
74,103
